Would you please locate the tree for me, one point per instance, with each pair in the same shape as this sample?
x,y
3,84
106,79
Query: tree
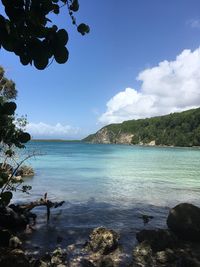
x,y
12,135
27,30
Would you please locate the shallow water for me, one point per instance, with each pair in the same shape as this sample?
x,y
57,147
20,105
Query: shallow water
x,y
109,185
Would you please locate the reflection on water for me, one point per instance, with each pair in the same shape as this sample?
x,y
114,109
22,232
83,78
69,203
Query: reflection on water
x,y
109,185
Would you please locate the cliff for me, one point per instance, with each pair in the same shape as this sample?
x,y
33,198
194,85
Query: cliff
x,y
176,129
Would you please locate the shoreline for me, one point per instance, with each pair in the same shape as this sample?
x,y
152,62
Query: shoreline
x,y
155,247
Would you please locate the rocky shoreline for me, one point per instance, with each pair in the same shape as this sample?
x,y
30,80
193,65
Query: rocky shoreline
x,y
177,246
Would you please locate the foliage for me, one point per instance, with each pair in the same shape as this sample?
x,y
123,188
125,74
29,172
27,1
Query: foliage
x,y
28,31
12,135
177,129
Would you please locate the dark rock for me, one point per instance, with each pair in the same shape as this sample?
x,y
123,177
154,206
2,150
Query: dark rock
x,y
11,219
158,239
184,221
15,242
165,256
5,236
16,258
39,263
103,240
107,262
187,261
86,263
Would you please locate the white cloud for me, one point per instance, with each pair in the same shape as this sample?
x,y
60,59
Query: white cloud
x,y
43,130
194,23
170,86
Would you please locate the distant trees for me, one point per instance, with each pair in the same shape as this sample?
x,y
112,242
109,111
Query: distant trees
x,y
177,129
27,30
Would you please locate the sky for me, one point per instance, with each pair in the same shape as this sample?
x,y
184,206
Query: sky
x,y
140,59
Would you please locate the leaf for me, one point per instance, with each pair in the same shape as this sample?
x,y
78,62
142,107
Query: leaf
x,y
9,108
25,59
1,182
24,137
74,6
41,63
83,28
5,197
62,36
4,176
61,55
56,9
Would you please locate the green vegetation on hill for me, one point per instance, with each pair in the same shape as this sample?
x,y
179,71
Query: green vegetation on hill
x,y
177,129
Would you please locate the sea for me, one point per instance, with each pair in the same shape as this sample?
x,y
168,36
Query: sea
x,y
106,185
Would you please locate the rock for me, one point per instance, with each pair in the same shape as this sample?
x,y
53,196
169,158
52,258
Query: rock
x,y
103,240
184,221
39,263
15,242
86,263
5,236
25,171
107,262
58,257
166,256
11,219
142,255
187,261
158,239
16,258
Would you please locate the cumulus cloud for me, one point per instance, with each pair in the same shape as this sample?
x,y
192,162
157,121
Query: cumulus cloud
x,y
168,87
194,23
43,130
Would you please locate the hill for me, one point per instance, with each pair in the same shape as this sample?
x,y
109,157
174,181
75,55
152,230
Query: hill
x,y
176,129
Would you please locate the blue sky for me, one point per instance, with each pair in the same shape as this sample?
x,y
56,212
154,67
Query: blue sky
x,y
140,59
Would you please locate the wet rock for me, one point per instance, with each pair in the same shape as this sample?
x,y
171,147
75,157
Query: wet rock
x,y
187,261
15,242
58,257
15,258
166,256
106,262
25,171
11,219
86,263
158,239
142,255
5,236
184,221
39,263
103,240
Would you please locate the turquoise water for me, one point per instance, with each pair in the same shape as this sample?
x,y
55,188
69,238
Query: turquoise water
x,y
110,185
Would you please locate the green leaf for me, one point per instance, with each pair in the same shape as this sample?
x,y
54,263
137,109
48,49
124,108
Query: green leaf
x,y
83,28
62,36
25,59
5,198
74,6
1,182
61,55
56,9
4,176
41,63
9,153
9,108
24,137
